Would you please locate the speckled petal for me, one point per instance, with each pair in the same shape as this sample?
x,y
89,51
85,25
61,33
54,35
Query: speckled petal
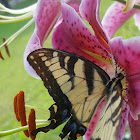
x,y
73,3
134,95
134,127
89,10
137,19
74,36
126,54
94,121
123,121
114,18
32,45
46,14
45,17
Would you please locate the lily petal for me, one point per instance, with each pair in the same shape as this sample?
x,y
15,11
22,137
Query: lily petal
x,y
123,121
72,35
126,54
73,3
94,120
134,95
46,15
89,10
114,18
33,44
129,5
134,127
137,19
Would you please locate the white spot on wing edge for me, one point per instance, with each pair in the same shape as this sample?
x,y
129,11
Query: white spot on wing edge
x,y
47,63
66,61
55,54
41,54
32,57
44,58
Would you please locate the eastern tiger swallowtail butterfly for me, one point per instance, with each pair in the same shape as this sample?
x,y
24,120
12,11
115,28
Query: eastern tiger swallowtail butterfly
x,y
78,86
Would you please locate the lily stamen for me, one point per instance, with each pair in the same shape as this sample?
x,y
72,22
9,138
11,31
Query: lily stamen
x,y
1,56
32,123
19,108
16,107
6,47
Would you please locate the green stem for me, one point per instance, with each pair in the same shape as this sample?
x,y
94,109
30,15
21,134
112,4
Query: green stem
x,y
12,131
10,19
10,39
20,11
36,108
124,2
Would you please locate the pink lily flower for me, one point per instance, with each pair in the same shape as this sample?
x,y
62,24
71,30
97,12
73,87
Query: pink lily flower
x,y
72,35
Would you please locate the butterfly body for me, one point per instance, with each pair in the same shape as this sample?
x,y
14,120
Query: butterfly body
x,y
77,86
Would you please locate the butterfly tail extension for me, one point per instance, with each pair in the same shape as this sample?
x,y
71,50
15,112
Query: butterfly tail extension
x,y
57,117
74,129
67,128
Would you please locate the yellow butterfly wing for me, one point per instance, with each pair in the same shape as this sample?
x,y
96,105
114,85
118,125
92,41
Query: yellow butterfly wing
x,y
75,84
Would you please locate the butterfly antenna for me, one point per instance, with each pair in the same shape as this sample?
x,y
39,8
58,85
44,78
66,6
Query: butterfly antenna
x,y
115,68
116,71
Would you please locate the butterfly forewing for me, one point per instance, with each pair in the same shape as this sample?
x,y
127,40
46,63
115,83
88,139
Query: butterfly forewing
x,y
71,80
77,86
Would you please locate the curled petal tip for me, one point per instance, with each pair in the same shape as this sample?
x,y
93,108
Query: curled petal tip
x,y
134,116
129,5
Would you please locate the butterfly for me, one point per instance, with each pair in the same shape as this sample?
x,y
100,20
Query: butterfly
x,y
78,86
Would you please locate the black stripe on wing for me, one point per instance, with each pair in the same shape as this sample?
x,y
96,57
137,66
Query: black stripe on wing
x,y
89,74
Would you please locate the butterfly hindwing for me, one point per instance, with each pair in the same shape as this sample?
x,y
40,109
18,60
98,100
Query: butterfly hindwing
x,y
75,84
109,122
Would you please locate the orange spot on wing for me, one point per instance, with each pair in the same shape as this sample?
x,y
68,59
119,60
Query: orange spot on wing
x,y
119,91
78,135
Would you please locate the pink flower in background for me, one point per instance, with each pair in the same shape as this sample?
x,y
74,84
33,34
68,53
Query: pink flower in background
x,y
72,35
